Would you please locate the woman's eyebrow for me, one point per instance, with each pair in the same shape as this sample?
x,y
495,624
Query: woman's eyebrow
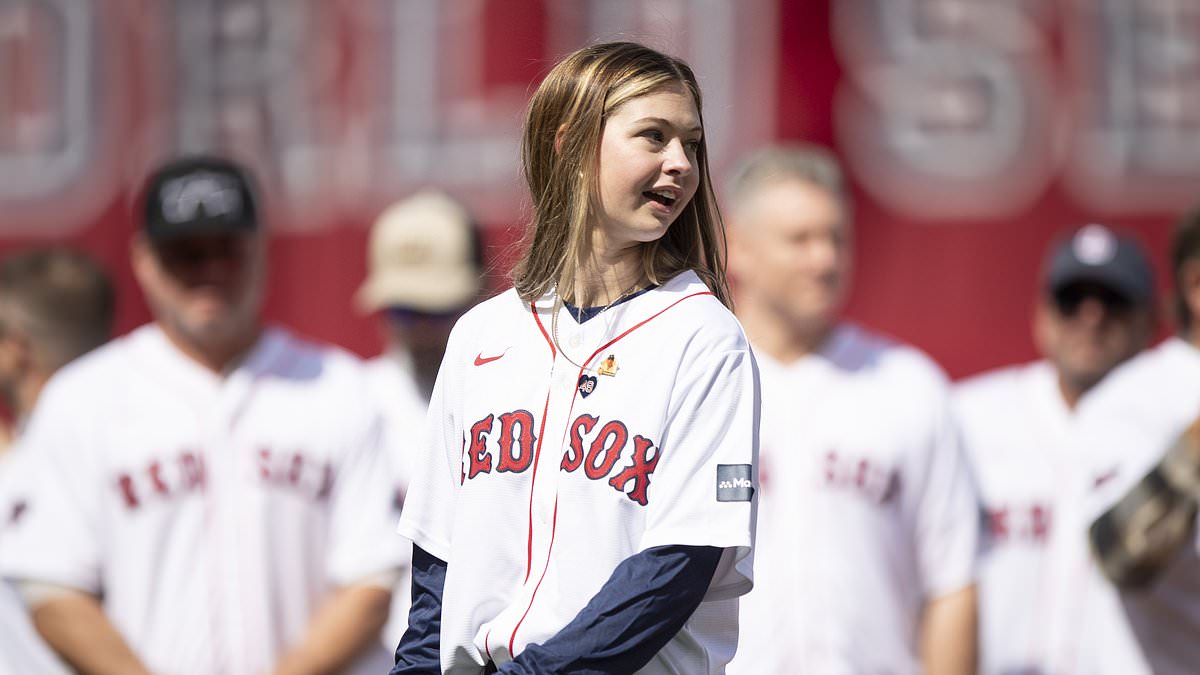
x,y
666,122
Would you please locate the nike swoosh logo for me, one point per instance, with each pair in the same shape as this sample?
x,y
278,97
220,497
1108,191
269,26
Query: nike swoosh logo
x,y
481,359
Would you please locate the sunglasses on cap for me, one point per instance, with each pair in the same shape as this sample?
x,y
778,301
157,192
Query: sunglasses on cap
x,y
1070,298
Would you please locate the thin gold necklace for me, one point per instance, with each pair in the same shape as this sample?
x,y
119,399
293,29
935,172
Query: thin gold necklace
x,y
558,305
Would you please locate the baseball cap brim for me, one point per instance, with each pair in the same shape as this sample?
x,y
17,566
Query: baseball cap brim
x,y
200,228
421,290
1096,254
1123,282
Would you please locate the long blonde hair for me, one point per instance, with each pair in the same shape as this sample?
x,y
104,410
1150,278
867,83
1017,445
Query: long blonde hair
x,y
569,110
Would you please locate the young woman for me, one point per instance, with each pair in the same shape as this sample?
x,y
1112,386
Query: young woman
x,y
586,503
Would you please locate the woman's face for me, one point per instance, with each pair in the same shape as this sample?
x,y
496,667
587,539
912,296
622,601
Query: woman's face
x,y
648,168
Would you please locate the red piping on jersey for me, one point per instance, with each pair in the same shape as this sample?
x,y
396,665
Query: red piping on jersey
x,y
537,453
637,326
549,342
574,396
553,527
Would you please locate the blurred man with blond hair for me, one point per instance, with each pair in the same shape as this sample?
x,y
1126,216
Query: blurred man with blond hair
x,y
865,555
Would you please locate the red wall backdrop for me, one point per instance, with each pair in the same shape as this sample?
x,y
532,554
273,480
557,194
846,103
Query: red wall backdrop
x,y
974,131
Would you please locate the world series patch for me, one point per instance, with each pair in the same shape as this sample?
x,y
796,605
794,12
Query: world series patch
x,y
735,482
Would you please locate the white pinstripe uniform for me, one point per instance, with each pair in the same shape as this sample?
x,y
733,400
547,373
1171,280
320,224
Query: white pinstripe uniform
x,y
542,481
867,510
213,514
1125,426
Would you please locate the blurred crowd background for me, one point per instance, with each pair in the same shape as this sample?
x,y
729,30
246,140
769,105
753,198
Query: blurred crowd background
x,y
973,131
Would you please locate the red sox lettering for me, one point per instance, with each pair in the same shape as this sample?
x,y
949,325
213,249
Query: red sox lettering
x,y
1019,523
186,474
183,475
517,449
877,483
515,444
595,448
297,472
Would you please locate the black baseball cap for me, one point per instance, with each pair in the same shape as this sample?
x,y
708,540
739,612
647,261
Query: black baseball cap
x,y
198,195
1097,254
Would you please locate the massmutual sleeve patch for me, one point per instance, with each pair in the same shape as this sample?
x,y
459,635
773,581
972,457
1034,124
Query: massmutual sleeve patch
x,y
735,482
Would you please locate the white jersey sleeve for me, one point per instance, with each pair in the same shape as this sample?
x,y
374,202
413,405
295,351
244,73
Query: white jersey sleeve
x,y
948,512
59,537
1134,416
436,468
21,648
710,465
393,385
361,509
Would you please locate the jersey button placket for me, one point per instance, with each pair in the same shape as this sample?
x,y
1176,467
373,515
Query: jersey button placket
x,y
563,392
562,386
242,489
217,505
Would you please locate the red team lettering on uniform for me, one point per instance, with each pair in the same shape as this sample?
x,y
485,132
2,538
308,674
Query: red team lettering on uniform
x,y
480,460
516,451
1011,523
638,472
595,448
296,471
186,474
877,483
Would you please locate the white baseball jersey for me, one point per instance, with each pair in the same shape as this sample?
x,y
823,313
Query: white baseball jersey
x,y
393,384
1017,429
867,510
1125,427
21,648
212,514
545,476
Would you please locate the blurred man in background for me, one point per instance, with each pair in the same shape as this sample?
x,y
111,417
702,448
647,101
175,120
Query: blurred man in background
x,y
55,305
1139,449
211,494
425,268
867,524
1095,310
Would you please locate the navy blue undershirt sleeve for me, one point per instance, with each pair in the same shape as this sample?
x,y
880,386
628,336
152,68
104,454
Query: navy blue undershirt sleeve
x,y
635,614
419,651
